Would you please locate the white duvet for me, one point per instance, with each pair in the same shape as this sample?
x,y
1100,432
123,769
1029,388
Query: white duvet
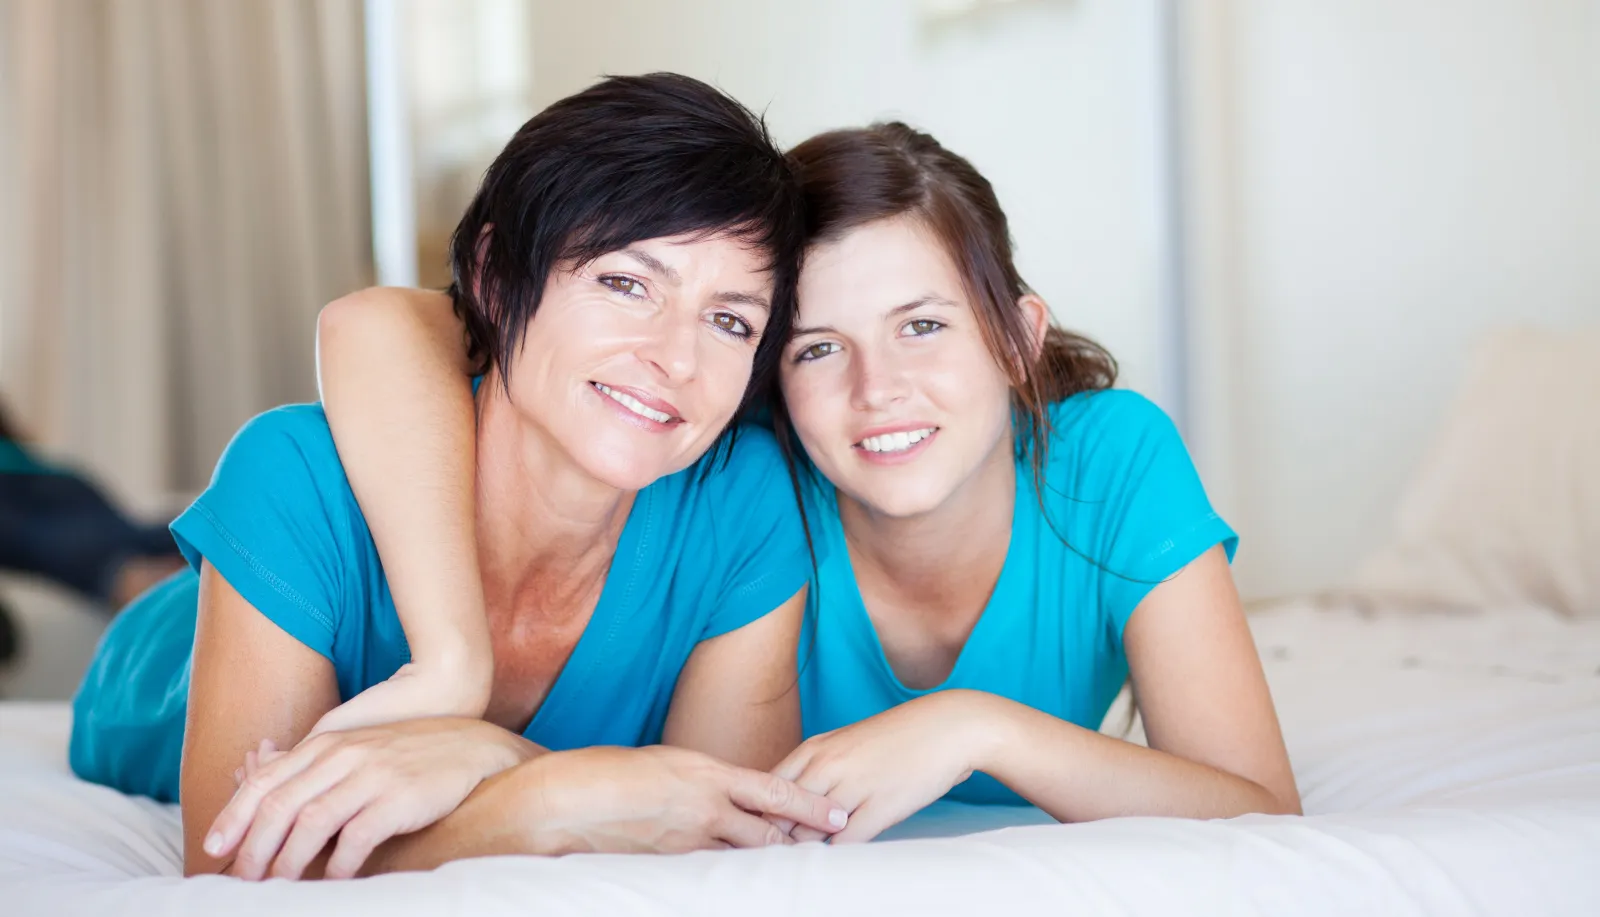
x,y
1449,765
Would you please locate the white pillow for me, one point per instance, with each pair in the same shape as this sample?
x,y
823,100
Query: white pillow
x,y
1505,510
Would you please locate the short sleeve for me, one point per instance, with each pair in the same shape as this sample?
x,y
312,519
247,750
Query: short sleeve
x,y
1152,512
757,530
276,523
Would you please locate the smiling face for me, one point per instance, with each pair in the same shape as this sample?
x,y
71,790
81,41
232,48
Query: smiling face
x,y
637,361
888,381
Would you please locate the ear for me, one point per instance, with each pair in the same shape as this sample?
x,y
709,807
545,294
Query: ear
x,y
1036,315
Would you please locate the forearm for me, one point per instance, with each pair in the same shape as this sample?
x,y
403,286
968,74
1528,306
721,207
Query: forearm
x,y
507,814
1076,774
391,369
416,774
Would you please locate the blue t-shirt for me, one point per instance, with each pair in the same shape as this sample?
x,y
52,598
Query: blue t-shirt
x,y
1127,510
703,552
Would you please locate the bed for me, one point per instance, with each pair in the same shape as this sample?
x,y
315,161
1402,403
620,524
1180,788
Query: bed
x,y
1450,764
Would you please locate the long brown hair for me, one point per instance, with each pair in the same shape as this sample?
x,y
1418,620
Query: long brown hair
x,y
857,176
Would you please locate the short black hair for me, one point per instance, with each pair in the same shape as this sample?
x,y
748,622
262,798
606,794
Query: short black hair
x,y
628,159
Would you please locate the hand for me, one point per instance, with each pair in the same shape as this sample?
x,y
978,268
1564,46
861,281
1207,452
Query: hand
x,y
667,800
365,786
418,689
887,767
254,760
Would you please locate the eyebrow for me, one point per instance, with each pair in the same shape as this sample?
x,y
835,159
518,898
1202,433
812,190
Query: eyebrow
x,y
652,263
743,299
912,306
732,298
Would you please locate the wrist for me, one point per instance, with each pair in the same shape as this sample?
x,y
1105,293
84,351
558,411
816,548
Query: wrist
x,y
543,800
987,725
461,670
499,750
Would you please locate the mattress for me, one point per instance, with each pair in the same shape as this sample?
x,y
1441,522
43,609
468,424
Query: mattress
x,y
1449,765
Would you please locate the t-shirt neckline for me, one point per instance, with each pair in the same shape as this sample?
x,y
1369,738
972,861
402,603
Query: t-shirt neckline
x,y
615,594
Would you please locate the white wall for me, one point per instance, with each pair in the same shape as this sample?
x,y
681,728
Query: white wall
x,y
1054,100
1370,183
1393,177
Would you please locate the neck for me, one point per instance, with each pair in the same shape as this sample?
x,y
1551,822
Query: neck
x,y
546,529
947,559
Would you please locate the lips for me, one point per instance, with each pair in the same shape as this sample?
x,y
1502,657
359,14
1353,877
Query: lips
x,y
640,403
895,438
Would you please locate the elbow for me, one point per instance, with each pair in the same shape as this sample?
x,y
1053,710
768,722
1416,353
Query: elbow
x,y
354,326
337,317
1282,801
202,865
333,323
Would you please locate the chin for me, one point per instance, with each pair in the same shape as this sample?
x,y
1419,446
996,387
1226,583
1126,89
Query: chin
x,y
621,468
901,499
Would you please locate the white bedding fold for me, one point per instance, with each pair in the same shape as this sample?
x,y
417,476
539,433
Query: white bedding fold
x,y
1448,765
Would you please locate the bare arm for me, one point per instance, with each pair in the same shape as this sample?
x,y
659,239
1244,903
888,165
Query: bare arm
x,y
393,374
1216,749
252,680
738,696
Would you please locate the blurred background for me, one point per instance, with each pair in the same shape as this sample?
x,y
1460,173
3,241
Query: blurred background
x,y
1288,219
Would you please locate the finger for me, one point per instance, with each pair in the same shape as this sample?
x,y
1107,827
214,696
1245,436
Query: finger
x,y
741,829
279,811
238,777
230,824
754,791
319,820
866,822
784,824
361,835
804,835
795,763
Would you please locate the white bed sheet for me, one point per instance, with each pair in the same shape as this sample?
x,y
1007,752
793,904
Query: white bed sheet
x,y
1449,765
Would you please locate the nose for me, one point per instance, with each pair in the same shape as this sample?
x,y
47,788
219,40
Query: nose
x,y
879,381
670,346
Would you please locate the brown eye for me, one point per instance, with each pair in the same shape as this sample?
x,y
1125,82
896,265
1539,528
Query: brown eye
x,y
815,351
627,286
921,326
731,324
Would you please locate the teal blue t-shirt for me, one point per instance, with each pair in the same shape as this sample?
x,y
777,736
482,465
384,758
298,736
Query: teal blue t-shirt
x,y
1128,511
703,552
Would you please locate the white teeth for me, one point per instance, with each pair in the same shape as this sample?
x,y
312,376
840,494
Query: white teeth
x,y
896,442
633,404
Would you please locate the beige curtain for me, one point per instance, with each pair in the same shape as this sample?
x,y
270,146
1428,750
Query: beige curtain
x,y
184,186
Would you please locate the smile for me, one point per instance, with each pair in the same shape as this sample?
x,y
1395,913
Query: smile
x,y
890,443
634,405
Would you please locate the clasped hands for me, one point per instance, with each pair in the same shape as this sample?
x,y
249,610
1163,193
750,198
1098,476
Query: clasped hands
x,y
353,790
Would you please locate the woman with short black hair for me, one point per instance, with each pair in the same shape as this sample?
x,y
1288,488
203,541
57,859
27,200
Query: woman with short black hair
x,y
644,573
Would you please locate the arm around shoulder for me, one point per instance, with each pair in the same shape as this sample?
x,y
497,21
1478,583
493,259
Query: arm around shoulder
x,y
393,372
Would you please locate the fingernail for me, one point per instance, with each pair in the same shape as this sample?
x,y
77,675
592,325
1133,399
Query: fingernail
x,y
838,818
214,843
